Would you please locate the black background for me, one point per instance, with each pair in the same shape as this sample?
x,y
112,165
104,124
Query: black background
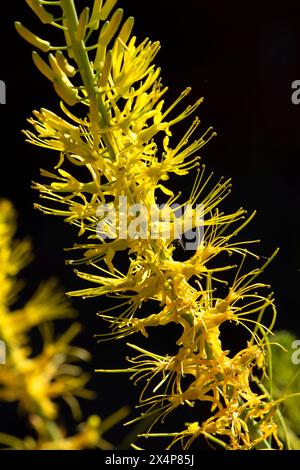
x,y
242,57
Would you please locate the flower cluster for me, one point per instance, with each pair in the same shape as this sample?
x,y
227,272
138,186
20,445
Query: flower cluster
x,y
120,143
36,381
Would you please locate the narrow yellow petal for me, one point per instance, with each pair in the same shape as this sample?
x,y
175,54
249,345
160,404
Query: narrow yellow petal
x,y
82,24
40,11
45,46
42,66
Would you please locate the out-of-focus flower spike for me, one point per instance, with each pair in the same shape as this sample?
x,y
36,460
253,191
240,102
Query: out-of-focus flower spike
x,y
107,8
42,66
69,334
108,31
40,11
45,46
67,68
95,16
102,82
82,24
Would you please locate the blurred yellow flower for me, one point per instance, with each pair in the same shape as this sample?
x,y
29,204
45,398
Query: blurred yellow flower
x,y
36,381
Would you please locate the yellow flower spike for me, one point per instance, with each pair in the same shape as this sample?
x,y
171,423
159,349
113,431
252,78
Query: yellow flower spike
x,y
125,145
45,46
40,11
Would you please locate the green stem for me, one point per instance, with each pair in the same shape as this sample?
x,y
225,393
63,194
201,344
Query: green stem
x,y
80,52
98,112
